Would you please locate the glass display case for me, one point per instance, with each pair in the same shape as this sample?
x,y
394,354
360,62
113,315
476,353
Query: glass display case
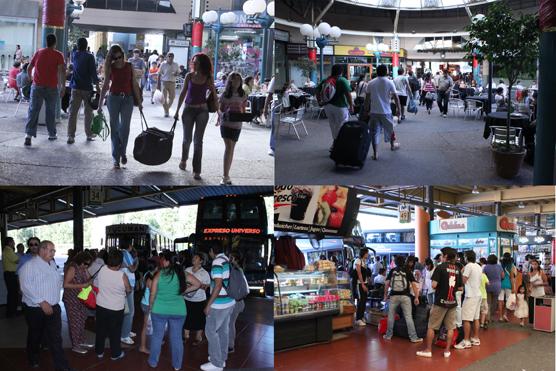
x,y
301,293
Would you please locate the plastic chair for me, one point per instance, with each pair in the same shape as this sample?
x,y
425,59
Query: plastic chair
x,y
295,120
456,104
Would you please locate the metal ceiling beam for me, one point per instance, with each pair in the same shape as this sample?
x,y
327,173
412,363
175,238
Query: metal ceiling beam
x,y
321,14
547,208
516,194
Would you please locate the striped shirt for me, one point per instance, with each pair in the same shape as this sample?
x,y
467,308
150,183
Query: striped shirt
x,y
40,281
221,269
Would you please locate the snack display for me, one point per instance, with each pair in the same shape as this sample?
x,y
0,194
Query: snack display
x,y
325,265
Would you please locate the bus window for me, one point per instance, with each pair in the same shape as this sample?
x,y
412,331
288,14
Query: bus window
x,y
249,209
213,210
231,212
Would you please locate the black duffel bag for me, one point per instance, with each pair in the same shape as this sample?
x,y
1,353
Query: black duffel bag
x,y
153,146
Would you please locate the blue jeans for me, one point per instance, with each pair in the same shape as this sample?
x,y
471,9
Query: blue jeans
x,y
217,332
128,318
38,94
405,302
273,128
175,326
120,110
430,298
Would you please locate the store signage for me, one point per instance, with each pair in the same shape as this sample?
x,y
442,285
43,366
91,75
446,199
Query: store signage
x,y
404,212
550,221
176,42
361,51
331,210
232,231
296,49
127,228
506,224
453,225
280,35
443,243
243,21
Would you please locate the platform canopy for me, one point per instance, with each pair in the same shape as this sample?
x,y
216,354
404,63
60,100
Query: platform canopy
x,y
34,206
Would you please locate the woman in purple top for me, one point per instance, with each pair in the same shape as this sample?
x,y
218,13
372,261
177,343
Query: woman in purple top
x,y
495,274
195,91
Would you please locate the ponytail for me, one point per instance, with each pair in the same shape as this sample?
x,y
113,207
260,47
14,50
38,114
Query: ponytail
x,y
175,268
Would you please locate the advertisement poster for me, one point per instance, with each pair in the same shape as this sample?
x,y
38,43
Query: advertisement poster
x,y
331,210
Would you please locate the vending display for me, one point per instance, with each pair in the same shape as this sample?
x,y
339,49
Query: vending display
x,y
303,292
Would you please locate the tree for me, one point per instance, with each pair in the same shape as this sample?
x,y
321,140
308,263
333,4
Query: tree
x,y
511,43
74,33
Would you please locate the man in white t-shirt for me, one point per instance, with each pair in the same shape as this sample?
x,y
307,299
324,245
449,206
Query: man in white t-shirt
x,y
167,74
403,90
377,103
153,57
471,307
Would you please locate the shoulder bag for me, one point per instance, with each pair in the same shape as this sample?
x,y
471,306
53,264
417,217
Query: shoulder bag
x,y
212,100
153,146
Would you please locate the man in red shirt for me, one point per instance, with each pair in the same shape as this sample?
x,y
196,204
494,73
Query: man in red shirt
x,y
48,70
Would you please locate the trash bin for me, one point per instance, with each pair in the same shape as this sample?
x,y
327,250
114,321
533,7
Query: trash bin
x,y
544,314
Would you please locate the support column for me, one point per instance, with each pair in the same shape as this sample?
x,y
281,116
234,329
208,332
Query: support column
x,y
395,64
546,116
3,221
430,200
78,205
537,220
197,37
53,21
498,208
422,239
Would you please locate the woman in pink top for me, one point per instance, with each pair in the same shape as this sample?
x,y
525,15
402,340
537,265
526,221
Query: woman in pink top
x,y
12,83
196,89
429,91
233,99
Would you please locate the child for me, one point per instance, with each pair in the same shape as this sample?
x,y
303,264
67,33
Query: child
x,y
233,99
153,79
484,300
521,310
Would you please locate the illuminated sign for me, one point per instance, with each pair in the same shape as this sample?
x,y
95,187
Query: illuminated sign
x,y
506,224
453,225
232,231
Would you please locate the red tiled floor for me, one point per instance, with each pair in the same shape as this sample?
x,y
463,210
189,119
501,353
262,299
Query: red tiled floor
x,y
365,348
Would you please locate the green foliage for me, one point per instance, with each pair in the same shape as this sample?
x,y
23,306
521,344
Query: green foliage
x,y
75,33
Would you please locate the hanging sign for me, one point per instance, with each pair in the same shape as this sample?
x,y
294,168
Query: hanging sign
x,y
404,212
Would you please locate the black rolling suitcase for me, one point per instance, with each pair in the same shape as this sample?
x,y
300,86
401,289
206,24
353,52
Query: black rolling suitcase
x,y
352,144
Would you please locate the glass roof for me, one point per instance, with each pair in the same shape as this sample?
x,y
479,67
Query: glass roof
x,y
416,4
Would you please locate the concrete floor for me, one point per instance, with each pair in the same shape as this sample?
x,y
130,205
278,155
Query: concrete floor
x,y
254,345
433,150
57,163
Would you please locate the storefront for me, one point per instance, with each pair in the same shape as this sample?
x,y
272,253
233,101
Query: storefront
x,y
241,46
18,26
310,300
540,246
484,234
360,61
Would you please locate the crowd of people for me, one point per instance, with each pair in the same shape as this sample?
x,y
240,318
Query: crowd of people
x,y
178,297
455,290
109,78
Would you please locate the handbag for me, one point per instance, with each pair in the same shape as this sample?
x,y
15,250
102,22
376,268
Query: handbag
x,y
136,99
430,95
511,302
412,107
88,296
212,100
153,146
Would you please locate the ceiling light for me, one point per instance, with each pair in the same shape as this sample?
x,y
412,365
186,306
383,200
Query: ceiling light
x,y
521,205
475,190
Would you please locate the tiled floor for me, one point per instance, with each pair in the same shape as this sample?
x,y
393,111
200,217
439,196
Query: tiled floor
x,y
364,349
254,346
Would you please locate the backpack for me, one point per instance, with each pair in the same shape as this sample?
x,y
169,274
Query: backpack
x,y
326,91
414,83
237,287
399,282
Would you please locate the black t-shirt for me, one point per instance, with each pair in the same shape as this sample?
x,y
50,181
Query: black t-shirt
x,y
396,277
449,279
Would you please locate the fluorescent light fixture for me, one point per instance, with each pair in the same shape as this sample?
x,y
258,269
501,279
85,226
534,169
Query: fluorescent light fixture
x,y
521,205
475,190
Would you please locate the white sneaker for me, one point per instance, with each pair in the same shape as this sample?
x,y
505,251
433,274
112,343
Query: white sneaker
x,y
463,345
132,334
210,367
271,152
424,354
224,361
127,341
360,323
475,341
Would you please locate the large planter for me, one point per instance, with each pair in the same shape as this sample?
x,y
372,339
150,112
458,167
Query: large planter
x,y
508,164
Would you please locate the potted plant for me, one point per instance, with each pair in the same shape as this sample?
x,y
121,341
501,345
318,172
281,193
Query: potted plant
x,y
512,44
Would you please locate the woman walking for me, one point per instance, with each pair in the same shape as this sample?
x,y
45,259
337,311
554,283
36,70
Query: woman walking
x,y
537,281
167,307
196,301
197,87
234,100
113,287
495,274
118,77
507,285
429,92
75,279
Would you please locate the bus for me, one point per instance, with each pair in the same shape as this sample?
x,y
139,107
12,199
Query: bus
x,y
388,243
240,223
144,238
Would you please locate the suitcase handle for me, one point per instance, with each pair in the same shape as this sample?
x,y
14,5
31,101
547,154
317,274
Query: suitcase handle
x,y
143,119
